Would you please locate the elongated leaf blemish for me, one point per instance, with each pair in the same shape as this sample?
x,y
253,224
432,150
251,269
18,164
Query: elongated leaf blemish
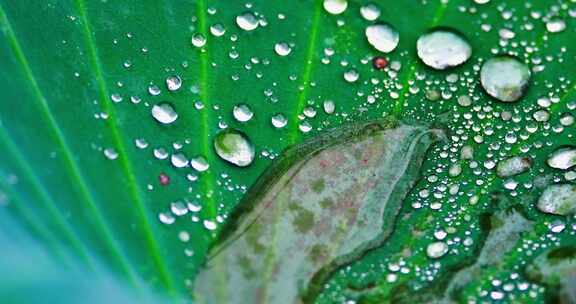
x,y
323,204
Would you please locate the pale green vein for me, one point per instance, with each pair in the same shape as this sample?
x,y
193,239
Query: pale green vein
x,y
411,71
69,162
47,200
307,73
208,181
134,190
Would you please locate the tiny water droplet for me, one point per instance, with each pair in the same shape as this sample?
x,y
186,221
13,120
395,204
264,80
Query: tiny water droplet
x,y
164,113
247,21
505,78
382,37
335,7
179,160
242,112
234,147
282,48
154,90
442,49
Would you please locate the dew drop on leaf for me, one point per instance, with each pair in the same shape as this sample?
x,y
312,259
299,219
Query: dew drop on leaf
x,y
199,163
351,75
442,49
282,49
505,78
563,158
382,37
164,113
217,30
247,21
242,112
335,7
173,83
179,160
556,25
558,199
279,121
370,12
234,147
436,250
198,40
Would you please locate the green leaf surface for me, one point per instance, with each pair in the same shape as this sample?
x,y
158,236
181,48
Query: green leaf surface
x,y
76,76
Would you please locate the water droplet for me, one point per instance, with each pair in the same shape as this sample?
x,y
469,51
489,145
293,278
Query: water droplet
x,y
247,21
110,153
370,12
210,225
179,160
234,147
556,25
242,112
153,90
164,113
329,106
282,48
436,250
558,199
382,37
505,78
173,83
335,7
564,158
279,121
198,40
442,49
513,166
166,218
217,30
199,164
351,75
178,208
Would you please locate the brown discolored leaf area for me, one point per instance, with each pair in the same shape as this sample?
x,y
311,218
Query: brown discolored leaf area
x,y
321,205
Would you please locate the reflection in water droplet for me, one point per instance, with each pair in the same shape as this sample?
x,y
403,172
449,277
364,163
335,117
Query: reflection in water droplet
x,y
279,121
173,83
335,7
382,37
282,48
370,12
505,78
164,113
442,49
247,21
198,40
234,147
242,112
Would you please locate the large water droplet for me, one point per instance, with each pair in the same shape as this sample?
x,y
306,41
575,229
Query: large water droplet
x,y
442,49
199,163
505,78
234,147
556,25
563,158
513,166
382,37
558,199
247,21
242,112
335,7
164,113
217,30
436,250
351,75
